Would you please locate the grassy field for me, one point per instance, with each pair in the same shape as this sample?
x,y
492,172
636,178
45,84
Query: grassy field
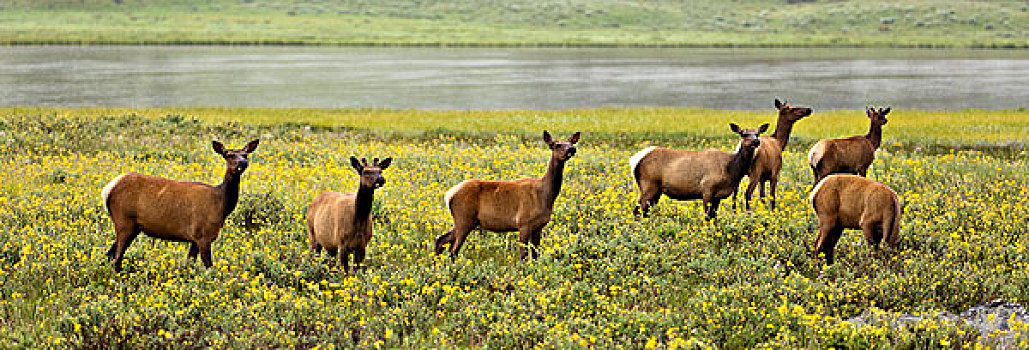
x,y
936,23
603,279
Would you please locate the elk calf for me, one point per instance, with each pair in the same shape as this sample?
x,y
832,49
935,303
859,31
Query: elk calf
x,y
503,206
768,157
709,175
851,155
342,222
171,210
854,202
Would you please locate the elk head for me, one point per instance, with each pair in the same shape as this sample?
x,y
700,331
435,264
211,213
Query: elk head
x,y
750,137
791,113
877,116
371,174
235,159
562,150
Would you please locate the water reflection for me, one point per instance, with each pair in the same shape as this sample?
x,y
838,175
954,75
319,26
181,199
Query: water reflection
x,y
510,78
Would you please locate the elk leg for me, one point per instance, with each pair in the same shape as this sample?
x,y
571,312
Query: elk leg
x,y
443,240
871,231
205,253
344,259
828,235
711,207
772,184
193,250
358,257
524,235
110,252
537,236
750,191
460,233
649,194
126,234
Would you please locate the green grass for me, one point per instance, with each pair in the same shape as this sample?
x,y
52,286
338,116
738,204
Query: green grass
x,y
936,131
935,23
603,279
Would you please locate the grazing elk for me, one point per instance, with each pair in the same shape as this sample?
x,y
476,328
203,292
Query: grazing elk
x,y
342,222
524,205
854,202
190,212
768,157
851,155
709,175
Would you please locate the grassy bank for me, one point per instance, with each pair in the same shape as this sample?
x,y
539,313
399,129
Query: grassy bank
x,y
923,23
1005,131
603,279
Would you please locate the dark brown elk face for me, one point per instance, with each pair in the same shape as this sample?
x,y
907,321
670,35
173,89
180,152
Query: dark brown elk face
x,y
235,159
791,113
749,137
877,116
562,150
371,174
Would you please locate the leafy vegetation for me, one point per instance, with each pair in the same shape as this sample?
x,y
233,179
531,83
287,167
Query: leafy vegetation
x,y
936,23
603,279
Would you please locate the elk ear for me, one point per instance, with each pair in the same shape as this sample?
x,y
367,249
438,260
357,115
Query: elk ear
x,y
218,147
356,164
778,105
762,128
869,111
251,146
546,138
885,112
574,139
385,163
735,128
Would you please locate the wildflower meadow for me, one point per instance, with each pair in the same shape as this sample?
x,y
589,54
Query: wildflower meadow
x,y
604,279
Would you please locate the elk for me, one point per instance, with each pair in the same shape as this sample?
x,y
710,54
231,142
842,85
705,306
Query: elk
x,y
851,155
854,202
768,157
523,205
342,222
709,175
176,211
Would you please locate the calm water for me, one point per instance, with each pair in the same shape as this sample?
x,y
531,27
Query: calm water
x,y
510,78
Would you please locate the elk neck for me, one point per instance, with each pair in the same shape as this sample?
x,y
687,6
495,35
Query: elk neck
x,y
783,128
229,189
552,180
875,134
363,204
740,163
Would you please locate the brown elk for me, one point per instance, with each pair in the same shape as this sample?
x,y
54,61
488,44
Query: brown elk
x,y
342,222
523,205
709,175
854,202
852,155
190,212
768,157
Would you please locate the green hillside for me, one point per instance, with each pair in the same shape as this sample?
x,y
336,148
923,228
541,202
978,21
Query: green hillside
x,y
520,22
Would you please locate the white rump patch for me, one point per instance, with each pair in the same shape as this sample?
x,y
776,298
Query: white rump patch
x,y
814,191
635,159
815,154
451,192
106,192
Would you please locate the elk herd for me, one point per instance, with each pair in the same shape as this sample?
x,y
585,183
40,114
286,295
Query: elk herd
x,y
341,223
